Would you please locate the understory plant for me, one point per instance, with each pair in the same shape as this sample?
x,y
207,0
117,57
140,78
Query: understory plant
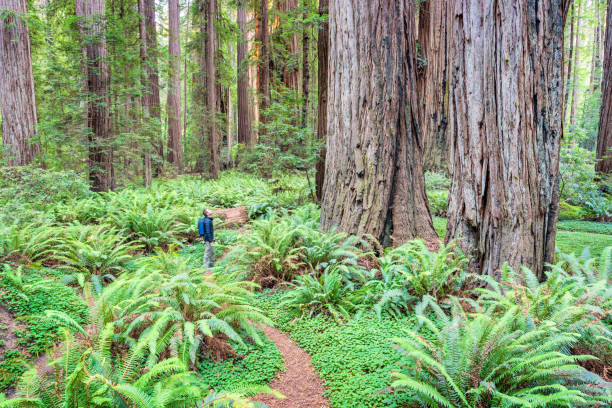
x,y
484,360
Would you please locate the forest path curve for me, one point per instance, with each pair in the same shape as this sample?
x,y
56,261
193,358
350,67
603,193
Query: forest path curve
x,y
299,382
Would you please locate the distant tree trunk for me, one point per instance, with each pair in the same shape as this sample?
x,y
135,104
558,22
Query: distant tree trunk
x,y
16,86
604,138
506,129
435,39
99,137
290,67
263,67
211,89
595,61
568,75
574,105
374,180
252,73
228,124
173,105
305,66
322,51
147,95
185,85
244,123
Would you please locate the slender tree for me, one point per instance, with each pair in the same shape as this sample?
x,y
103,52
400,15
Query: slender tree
x,y
322,51
374,180
570,58
263,66
16,86
305,64
290,67
506,97
435,40
604,138
173,105
147,95
99,139
574,105
211,88
244,123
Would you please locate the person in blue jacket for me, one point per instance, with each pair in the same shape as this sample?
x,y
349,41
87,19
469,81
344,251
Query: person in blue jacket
x,y
206,230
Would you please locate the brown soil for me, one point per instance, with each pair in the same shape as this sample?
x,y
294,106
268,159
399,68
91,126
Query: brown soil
x,y
233,216
8,326
299,383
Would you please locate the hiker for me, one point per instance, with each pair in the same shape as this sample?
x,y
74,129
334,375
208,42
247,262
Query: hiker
x,y
205,228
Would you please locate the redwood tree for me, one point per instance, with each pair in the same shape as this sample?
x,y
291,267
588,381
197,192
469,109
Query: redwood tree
x,y
374,180
435,40
99,139
322,51
604,138
506,99
175,153
211,88
16,86
244,123
263,64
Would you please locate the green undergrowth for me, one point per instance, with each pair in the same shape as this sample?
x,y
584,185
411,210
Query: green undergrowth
x,y
585,226
354,359
256,365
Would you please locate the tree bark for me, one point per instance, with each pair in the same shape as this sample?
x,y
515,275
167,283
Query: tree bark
x,y
568,75
506,127
435,39
263,66
604,138
594,78
16,86
99,139
211,89
290,67
147,96
244,123
305,66
173,105
374,180
322,51
574,105
252,72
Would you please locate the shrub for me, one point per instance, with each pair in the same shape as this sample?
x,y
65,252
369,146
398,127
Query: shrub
x,y
436,181
570,212
29,243
438,202
456,361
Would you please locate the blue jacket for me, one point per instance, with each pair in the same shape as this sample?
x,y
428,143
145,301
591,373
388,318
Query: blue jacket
x,y
205,228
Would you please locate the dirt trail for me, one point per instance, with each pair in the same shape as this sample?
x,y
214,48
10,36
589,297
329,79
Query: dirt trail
x,y
299,383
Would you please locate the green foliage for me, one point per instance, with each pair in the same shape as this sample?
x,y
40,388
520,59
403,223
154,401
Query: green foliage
x,y
436,181
438,201
28,295
29,243
604,228
570,212
12,365
576,242
482,361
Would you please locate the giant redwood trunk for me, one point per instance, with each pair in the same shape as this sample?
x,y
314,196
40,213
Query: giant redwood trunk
x,y
244,123
263,63
506,127
322,51
435,38
211,88
175,152
99,139
16,86
604,138
374,180
305,66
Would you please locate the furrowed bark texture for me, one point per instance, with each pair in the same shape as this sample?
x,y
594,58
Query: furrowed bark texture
x,y
322,50
244,123
99,137
374,180
16,86
211,89
435,38
175,152
505,132
604,138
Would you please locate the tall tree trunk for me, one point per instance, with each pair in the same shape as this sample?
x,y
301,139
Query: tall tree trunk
x,y
185,86
211,89
252,72
595,61
16,86
506,127
574,105
147,95
200,94
92,13
322,51
604,138
374,180
291,70
435,39
263,66
244,122
173,105
305,65
570,58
